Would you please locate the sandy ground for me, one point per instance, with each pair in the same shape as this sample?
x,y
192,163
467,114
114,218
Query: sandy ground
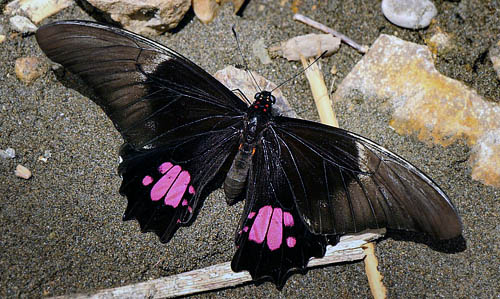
x,y
61,231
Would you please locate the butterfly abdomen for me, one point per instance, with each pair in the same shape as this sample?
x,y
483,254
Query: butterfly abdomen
x,y
237,176
257,119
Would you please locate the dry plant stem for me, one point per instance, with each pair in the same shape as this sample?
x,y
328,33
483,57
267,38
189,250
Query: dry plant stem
x,y
345,39
320,93
221,275
374,277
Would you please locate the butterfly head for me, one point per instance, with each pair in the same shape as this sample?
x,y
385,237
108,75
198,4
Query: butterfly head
x,y
264,101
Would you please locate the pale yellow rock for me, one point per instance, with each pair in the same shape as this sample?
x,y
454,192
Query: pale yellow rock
x,y
426,103
29,69
22,172
147,17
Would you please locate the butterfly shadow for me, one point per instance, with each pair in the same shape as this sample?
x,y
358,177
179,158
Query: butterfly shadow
x,y
455,245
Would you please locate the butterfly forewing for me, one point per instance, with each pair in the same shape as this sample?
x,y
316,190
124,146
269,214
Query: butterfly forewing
x,y
344,183
152,94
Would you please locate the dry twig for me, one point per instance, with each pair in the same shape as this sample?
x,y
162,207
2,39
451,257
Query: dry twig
x,y
345,39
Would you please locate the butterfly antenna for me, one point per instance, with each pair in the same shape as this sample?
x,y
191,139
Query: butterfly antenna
x,y
299,72
244,60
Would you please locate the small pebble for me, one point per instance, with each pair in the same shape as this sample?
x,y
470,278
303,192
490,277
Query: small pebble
x,y
8,153
494,54
22,24
29,68
46,155
411,14
22,172
260,51
439,41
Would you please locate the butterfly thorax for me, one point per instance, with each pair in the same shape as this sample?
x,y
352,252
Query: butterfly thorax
x,y
257,118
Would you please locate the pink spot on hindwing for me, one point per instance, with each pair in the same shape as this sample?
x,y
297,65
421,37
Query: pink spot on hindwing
x,y
178,188
164,167
259,228
275,232
171,186
287,219
164,183
190,209
269,225
147,180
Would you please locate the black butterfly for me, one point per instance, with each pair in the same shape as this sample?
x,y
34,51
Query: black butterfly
x,y
185,133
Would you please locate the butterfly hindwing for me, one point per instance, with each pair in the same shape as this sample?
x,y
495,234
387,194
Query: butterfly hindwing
x,y
272,239
165,187
344,183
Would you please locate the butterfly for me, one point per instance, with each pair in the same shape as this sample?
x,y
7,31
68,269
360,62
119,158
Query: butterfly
x,y
186,134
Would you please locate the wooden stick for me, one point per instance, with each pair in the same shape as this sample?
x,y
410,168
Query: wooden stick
x,y
320,93
374,277
301,18
221,276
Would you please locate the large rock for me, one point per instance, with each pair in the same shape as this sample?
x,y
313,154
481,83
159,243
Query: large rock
x,y
36,10
426,103
152,17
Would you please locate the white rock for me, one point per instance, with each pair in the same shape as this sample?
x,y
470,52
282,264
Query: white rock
x,y
237,79
310,45
22,24
412,14
8,153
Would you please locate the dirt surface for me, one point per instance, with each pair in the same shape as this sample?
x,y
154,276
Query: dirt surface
x,y
61,231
